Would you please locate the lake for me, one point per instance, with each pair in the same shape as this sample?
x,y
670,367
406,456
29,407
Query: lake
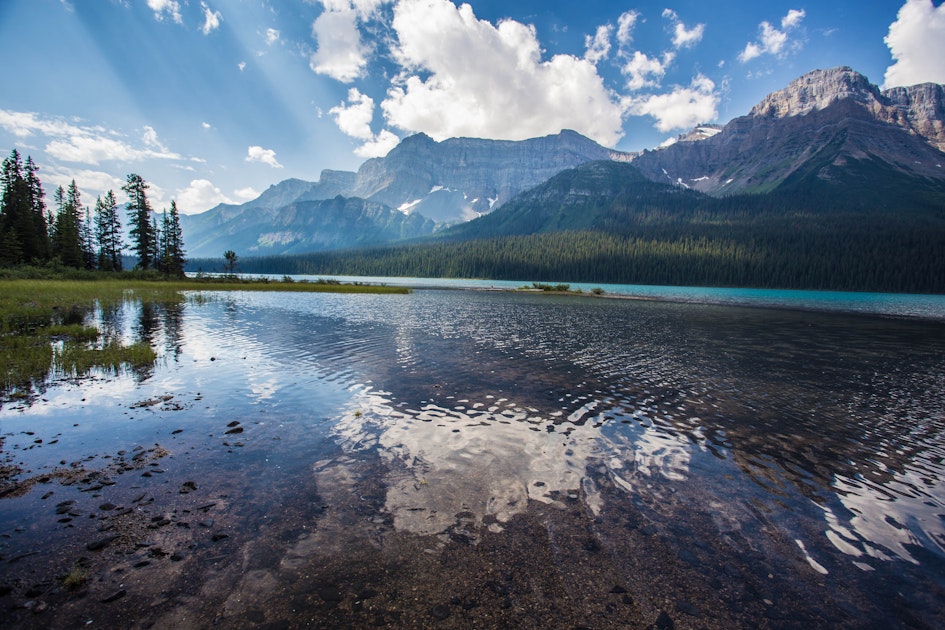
x,y
460,458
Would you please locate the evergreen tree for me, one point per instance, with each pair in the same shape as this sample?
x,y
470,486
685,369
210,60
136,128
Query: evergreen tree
x,y
37,205
157,259
22,223
88,242
172,243
108,233
67,237
142,228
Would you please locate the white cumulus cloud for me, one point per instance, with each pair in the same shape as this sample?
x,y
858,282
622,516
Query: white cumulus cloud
x,y
341,54
211,19
917,43
272,36
245,194
354,119
645,72
793,18
256,153
166,7
687,38
198,196
467,77
94,183
771,40
379,146
682,108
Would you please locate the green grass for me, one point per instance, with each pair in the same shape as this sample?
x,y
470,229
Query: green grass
x,y
44,317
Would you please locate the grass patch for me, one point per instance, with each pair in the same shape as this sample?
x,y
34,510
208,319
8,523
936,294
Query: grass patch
x,y
44,318
75,579
76,360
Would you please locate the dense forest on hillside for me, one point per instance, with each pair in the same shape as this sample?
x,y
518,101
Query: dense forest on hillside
x,y
842,253
887,234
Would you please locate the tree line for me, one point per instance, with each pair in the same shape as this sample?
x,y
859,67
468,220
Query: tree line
x,y
72,235
751,241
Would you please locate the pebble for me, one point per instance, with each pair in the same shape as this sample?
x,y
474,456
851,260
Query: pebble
x,y
101,543
440,612
114,597
665,622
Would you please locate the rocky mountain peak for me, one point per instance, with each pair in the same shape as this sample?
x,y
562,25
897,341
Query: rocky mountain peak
x,y
818,90
920,108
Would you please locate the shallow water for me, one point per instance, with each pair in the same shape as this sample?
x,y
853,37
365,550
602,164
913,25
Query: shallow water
x,y
455,458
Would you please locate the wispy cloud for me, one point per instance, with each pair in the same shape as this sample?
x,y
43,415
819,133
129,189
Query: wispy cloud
x,y
772,41
82,144
211,19
598,46
163,8
683,37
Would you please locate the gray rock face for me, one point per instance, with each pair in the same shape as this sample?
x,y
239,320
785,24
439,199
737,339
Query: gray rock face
x,y
461,178
818,90
920,108
823,119
304,226
448,182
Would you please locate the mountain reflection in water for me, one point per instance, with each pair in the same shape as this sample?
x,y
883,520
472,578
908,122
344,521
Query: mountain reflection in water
x,y
793,461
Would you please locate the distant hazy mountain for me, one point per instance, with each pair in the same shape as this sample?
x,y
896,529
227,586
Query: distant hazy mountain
x,y
299,225
822,124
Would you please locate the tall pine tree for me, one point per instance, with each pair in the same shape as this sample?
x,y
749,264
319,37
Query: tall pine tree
x,y
37,204
67,236
22,219
88,241
108,233
172,243
139,213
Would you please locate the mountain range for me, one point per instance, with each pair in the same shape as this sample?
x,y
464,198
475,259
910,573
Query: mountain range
x,y
420,185
830,145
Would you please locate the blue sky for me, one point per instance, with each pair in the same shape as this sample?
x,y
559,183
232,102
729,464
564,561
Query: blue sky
x,y
214,100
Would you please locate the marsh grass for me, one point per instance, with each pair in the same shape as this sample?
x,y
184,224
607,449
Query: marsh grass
x,y
78,360
45,321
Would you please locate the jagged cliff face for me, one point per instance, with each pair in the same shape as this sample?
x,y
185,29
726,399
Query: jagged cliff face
x,y
303,226
819,123
446,182
461,178
920,108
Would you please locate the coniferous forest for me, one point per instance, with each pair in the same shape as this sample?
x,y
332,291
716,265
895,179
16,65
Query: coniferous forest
x,y
625,229
71,235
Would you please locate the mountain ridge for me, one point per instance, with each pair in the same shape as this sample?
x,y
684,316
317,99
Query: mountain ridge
x,y
828,131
